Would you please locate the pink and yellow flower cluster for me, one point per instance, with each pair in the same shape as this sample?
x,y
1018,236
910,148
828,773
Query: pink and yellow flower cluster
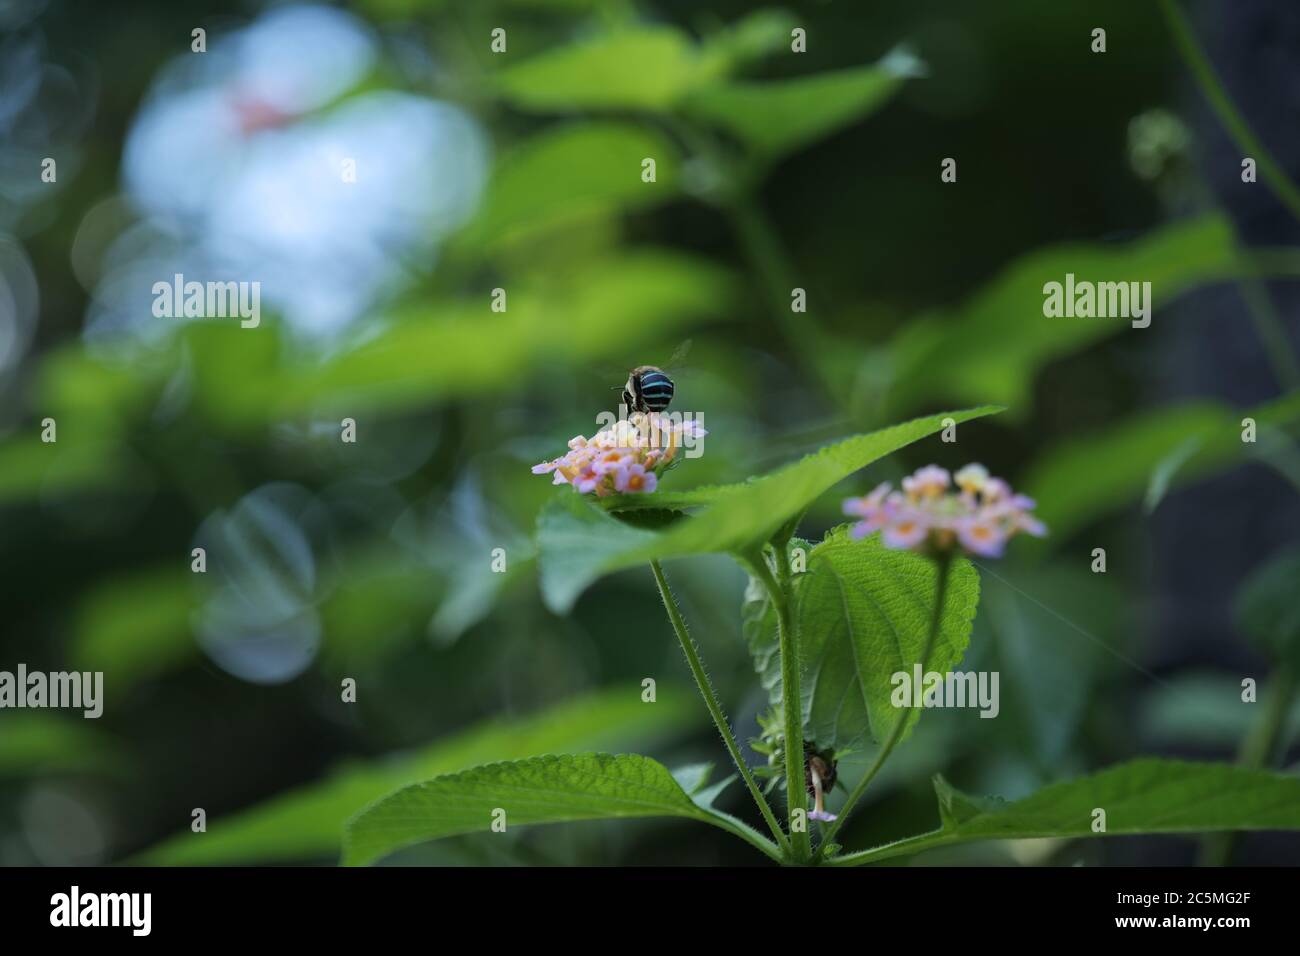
x,y
626,458
980,514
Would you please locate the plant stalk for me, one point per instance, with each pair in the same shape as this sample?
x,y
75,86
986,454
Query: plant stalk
x,y
791,704
711,702
1229,115
1258,750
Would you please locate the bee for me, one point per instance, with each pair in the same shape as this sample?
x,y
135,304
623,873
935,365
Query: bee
x,y
648,389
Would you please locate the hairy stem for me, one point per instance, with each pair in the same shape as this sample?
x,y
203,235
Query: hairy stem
x,y
943,562
791,703
711,702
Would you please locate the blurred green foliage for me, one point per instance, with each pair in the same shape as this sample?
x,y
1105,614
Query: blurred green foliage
x,y
773,171
308,823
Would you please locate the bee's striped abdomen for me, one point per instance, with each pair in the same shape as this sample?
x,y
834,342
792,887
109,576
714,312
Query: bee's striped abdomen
x,y
656,390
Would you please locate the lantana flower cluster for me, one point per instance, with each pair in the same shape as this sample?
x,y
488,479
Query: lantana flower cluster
x,y
936,512
626,458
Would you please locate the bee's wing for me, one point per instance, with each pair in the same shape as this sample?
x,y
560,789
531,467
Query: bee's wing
x,y
679,355
614,375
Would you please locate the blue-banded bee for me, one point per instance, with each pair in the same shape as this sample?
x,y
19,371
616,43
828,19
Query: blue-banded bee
x,y
648,389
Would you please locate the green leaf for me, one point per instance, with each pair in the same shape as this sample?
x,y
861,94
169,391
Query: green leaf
x,y
31,468
138,626
33,745
1078,481
957,808
1267,609
473,589
456,349
579,542
780,116
1144,796
1199,711
670,500
863,614
993,345
652,68
647,68
694,779
548,789
757,35
1166,469
1031,615
414,9
102,397
211,355
570,174
307,823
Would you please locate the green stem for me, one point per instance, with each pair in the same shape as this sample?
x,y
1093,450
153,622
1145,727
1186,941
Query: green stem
x,y
943,562
1223,107
1249,274
711,702
744,831
904,847
767,257
1271,331
759,241
1258,750
791,704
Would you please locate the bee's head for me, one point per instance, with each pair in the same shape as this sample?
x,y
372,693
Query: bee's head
x,y
630,392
